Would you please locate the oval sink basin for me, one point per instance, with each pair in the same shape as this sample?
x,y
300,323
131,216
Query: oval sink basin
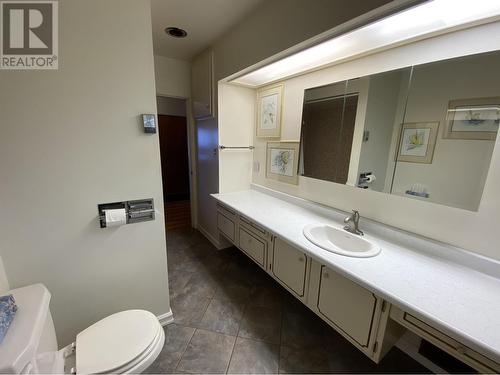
x,y
340,241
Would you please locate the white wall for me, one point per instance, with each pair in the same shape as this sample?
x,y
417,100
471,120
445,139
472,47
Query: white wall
x,y
272,27
71,139
475,231
173,77
236,119
458,170
171,106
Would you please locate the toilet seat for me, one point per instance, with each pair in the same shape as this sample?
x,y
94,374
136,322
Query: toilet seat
x,y
127,341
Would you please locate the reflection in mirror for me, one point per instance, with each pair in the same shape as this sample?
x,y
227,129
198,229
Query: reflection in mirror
x,y
347,128
382,98
326,134
454,110
425,132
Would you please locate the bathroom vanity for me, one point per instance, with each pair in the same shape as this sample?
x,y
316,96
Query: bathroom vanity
x,y
371,301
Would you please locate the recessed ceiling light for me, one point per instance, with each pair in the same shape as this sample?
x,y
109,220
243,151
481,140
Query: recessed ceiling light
x,y
175,32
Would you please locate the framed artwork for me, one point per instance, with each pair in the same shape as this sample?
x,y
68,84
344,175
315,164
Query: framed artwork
x,y
417,142
473,119
269,109
282,161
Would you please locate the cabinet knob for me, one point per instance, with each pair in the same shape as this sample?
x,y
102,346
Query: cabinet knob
x,y
301,259
326,275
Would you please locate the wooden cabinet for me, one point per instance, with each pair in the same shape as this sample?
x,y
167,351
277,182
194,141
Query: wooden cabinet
x,y
356,313
347,306
226,223
202,84
365,319
445,342
253,246
290,267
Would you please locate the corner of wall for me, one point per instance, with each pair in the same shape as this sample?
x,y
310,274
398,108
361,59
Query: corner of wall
x,y
4,283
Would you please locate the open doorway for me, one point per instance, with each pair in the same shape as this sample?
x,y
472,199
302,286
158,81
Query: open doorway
x,y
174,150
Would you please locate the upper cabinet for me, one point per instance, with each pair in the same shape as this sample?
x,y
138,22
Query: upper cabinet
x,y
202,78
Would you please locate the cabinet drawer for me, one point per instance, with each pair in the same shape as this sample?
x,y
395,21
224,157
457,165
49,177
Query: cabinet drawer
x,y
253,247
445,342
347,306
226,226
290,266
253,228
227,212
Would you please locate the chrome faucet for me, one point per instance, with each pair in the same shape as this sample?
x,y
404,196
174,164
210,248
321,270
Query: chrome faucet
x,y
352,222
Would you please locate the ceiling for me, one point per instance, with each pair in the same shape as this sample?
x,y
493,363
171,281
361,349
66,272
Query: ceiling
x,y
204,21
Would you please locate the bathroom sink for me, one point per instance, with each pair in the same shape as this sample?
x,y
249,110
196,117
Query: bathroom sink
x,y
340,241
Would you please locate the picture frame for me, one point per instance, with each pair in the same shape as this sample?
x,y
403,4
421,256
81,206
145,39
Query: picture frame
x,y
476,118
417,142
282,161
269,112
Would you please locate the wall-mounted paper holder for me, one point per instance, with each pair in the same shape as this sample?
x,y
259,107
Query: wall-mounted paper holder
x,y
136,210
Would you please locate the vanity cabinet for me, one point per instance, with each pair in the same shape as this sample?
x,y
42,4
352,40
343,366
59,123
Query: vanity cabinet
x,y
347,306
353,311
290,267
227,223
253,246
445,342
249,237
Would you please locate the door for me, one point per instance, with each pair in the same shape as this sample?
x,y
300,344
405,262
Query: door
x,y
347,306
290,266
175,169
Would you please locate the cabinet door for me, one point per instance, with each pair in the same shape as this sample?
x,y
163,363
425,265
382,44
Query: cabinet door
x,y
254,247
226,226
347,306
202,85
290,266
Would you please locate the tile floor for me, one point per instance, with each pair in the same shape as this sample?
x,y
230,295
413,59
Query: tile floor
x,y
231,317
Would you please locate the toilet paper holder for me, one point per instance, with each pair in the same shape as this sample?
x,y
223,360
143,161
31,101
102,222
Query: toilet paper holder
x,y
136,210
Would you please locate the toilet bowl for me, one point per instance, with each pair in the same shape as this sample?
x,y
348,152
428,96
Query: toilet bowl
x,y
126,342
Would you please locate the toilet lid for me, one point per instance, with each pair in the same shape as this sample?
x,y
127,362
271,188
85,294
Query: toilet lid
x,y
114,341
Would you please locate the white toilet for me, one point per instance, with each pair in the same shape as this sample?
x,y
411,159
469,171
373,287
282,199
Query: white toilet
x,y
125,342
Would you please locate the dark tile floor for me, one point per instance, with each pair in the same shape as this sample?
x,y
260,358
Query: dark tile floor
x,y
231,317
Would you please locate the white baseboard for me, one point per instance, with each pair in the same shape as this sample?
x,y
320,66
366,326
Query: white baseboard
x,y
167,318
211,238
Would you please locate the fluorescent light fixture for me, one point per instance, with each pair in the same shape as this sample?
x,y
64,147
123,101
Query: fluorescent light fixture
x,y
432,17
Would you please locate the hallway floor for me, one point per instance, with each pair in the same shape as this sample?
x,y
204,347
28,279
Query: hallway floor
x,y
231,317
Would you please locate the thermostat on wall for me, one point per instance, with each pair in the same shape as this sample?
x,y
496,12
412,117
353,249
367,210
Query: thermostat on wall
x,y
149,121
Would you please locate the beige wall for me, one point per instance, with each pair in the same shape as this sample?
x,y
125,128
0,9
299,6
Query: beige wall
x,y
280,24
171,106
71,139
272,27
474,231
173,77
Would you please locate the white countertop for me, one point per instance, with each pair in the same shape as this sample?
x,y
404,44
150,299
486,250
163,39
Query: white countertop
x,y
461,301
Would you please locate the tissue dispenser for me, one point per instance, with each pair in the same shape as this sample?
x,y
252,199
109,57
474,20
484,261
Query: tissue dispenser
x,y
136,210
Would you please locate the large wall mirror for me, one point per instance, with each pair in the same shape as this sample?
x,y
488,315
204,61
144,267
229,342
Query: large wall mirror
x,y
425,132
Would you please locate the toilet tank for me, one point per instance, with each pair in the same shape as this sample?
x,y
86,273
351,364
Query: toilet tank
x,y
30,334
